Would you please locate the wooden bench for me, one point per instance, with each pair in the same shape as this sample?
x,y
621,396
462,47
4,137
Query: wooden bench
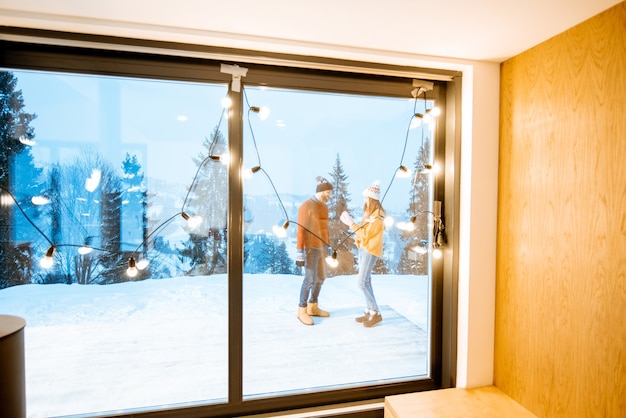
x,y
482,402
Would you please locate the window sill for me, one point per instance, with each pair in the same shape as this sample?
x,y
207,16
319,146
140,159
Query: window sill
x,y
482,402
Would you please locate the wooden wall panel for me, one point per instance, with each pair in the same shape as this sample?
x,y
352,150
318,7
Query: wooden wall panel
x,y
560,343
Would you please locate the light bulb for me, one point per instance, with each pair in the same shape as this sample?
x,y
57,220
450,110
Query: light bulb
x,y
281,230
28,142
407,226
131,271
84,250
224,158
6,200
142,264
227,102
415,123
264,113
192,221
250,172
403,172
331,260
40,200
419,249
435,111
47,261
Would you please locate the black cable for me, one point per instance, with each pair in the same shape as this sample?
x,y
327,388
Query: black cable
x,y
207,158
160,226
26,216
280,202
406,140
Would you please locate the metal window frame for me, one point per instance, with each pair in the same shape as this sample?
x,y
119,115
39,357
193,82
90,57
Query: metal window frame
x,y
30,49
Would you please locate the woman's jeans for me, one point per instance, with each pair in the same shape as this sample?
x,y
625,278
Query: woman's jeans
x,y
314,275
366,264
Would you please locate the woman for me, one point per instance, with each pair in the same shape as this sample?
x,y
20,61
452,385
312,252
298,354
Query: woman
x,y
369,241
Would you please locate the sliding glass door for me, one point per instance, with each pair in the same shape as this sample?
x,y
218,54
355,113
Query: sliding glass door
x,y
133,302
151,209
357,144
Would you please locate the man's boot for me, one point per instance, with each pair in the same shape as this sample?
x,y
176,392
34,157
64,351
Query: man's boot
x,y
364,317
304,317
374,319
313,310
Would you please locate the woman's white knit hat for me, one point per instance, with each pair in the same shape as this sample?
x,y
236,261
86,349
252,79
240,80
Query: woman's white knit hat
x,y
373,191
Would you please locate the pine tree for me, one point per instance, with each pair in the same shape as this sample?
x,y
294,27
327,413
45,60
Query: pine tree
x,y
208,198
340,237
134,223
15,133
259,258
411,261
282,264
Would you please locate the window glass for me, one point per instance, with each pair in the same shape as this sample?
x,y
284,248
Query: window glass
x,y
358,144
104,175
120,185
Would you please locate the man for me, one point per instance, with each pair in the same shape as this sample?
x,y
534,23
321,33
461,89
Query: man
x,y
312,242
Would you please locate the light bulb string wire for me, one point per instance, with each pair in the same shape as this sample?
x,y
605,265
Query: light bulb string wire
x,y
406,140
282,206
258,155
87,246
280,202
51,244
207,158
250,109
353,232
269,179
350,232
17,204
154,231
194,180
437,222
191,186
312,233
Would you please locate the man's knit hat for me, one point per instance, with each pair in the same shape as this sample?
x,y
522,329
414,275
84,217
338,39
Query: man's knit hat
x,y
372,191
323,185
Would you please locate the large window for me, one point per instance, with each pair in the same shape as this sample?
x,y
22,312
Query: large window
x,y
149,267
102,173
355,142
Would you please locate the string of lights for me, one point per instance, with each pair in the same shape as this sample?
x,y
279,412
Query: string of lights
x,y
438,238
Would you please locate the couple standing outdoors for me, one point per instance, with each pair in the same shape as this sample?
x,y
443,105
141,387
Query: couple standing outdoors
x,y
312,240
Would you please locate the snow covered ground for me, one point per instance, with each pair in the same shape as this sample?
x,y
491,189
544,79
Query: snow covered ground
x,y
92,348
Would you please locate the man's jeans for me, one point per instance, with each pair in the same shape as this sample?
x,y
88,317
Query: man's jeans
x,y
314,275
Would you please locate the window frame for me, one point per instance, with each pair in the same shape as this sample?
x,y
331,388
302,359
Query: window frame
x,y
92,54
